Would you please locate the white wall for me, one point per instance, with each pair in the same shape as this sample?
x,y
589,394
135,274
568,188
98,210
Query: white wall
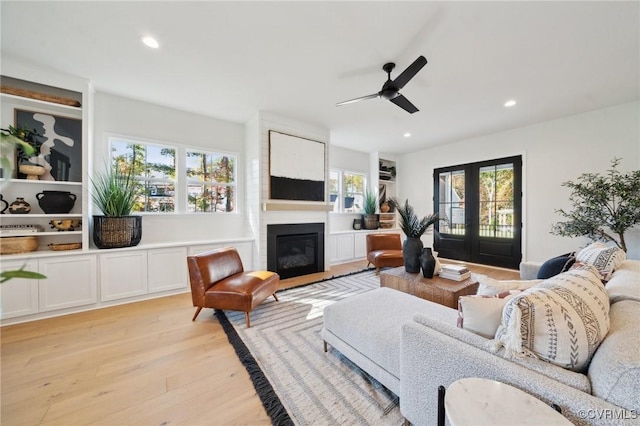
x,y
126,117
553,152
353,161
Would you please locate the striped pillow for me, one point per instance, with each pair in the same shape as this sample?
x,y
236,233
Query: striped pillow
x,y
562,320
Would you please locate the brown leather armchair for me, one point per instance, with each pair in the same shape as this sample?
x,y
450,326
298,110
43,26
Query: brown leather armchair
x,y
218,281
384,250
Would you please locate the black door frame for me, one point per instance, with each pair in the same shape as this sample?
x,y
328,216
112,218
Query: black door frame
x,y
471,247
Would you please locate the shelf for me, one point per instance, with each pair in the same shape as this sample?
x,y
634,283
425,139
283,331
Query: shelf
x,y
40,182
41,215
42,234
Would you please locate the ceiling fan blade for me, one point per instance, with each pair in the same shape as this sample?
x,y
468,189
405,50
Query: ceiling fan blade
x,y
404,103
362,98
410,72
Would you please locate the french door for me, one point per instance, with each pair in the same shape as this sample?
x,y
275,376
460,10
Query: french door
x,y
482,205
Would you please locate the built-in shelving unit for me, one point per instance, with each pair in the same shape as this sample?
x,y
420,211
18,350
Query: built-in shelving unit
x,y
386,189
63,105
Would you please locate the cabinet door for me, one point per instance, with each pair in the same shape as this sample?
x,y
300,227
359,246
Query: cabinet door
x,y
360,246
71,281
341,248
122,275
167,269
19,296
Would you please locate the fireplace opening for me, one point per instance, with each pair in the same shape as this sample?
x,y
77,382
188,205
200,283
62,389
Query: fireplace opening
x,y
295,249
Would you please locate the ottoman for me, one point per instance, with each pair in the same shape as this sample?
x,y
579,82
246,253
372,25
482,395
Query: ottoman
x,y
367,329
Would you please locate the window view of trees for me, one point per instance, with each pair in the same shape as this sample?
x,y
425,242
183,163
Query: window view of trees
x,y
496,201
154,167
346,191
451,202
210,182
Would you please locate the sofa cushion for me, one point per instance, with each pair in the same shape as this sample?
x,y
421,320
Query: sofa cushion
x,y
625,282
556,265
605,258
615,368
481,314
561,320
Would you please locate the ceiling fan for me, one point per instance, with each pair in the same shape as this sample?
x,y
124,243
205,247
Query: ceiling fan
x,y
391,88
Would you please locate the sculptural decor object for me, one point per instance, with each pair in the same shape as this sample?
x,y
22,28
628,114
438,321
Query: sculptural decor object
x,y
4,204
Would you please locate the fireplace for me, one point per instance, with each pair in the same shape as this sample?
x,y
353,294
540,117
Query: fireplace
x,y
295,249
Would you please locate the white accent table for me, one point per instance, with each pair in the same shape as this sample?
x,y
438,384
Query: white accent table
x,y
476,401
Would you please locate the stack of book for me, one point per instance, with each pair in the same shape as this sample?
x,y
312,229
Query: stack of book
x,y
455,272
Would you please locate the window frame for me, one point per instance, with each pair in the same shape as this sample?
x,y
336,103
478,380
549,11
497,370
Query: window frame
x,y
342,192
180,182
188,181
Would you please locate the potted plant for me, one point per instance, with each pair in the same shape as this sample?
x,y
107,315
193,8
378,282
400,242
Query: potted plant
x,y
27,146
413,228
114,193
369,217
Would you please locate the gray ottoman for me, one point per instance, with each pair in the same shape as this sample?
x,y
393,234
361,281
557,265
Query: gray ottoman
x,y
367,328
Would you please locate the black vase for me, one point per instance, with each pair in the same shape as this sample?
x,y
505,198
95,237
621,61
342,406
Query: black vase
x,y
428,263
411,251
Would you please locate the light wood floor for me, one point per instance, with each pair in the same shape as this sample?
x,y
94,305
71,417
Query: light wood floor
x,y
143,363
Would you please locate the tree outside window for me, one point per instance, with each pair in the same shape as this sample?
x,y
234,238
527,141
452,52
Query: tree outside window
x,y
211,182
346,191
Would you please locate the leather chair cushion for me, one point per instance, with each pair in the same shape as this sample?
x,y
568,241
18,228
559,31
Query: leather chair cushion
x,y
242,291
385,258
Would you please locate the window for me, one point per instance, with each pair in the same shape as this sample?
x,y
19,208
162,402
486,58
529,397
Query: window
x,y
154,168
346,191
176,179
211,182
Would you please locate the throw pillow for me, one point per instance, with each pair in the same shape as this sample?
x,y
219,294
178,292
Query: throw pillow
x,y
436,270
562,320
556,265
605,258
481,314
490,287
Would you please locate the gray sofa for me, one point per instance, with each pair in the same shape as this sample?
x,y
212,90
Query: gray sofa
x,y
412,346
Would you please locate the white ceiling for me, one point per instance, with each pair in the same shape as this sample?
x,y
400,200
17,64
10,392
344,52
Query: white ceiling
x,y
298,59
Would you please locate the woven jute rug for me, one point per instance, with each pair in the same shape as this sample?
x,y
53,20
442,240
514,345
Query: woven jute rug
x,y
297,381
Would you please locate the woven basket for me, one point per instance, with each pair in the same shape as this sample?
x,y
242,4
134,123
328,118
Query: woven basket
x,y
15,245
117,232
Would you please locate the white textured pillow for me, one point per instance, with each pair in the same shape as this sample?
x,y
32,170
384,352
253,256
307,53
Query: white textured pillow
x,y
562,320
436,270
490,287
605,258
481,314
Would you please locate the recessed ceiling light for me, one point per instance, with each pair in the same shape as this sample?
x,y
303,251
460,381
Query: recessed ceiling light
x,y
510,103
407,135
150,42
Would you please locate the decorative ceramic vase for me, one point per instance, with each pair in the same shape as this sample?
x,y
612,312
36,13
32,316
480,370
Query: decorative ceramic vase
x,y
55,202
19,206
411,251
5,205
428,262
357,224
384,207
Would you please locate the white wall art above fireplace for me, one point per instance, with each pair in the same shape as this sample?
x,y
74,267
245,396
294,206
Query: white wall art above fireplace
x,y
296,168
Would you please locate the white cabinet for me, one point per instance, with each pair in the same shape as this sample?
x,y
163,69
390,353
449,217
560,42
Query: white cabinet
x,y
167,269
19,296
123,274
244,249
71,281
341,248
360,246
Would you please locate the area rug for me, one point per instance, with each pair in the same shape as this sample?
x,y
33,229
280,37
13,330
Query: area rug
x,y
297,381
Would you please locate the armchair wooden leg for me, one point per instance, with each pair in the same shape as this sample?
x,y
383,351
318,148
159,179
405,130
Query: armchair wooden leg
x,y
377,270
324,343
275,297
248,320
197,312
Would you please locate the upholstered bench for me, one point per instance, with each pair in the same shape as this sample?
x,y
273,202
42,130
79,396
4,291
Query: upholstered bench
x,y
218,281
367,329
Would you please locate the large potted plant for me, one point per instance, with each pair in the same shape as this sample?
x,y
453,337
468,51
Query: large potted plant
x,y
369,217
604,207
413,228
114,193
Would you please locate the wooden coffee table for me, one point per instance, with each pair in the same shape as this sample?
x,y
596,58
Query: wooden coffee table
x,y
436,289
